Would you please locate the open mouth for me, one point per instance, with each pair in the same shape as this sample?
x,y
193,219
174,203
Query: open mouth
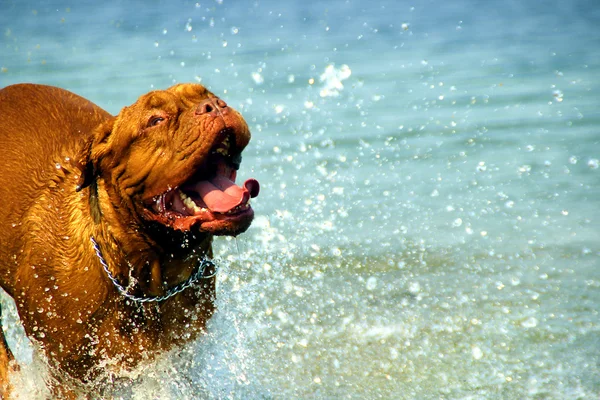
x,y
210,198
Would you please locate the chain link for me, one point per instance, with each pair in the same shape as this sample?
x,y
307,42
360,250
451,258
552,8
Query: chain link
x,y
180,287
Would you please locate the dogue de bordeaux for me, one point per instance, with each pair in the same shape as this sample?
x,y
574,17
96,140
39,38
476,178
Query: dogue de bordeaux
x,y
107,222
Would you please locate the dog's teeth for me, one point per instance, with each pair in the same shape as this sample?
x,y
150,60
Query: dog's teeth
x,y
189,203
223,148
239,208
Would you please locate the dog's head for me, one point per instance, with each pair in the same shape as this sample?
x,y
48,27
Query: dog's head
x,y
171,158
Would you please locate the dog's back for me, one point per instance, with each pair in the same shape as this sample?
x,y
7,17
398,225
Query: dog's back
x,y
32,147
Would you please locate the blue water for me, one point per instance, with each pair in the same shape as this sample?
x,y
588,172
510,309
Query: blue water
x,y
429,218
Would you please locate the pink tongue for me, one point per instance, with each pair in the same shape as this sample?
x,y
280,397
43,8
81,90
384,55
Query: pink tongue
x,y
221,194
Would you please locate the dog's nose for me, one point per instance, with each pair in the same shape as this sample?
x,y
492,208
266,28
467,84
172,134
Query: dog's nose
x,y
212,106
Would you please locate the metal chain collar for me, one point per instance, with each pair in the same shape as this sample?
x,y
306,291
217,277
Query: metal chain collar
x,y
197,275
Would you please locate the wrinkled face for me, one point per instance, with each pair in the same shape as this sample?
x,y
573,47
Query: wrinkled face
x,y
172,158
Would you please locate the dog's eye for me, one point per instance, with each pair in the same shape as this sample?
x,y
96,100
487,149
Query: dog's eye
x,y
155,121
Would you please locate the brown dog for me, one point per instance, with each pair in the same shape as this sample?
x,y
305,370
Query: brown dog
x,y
105,222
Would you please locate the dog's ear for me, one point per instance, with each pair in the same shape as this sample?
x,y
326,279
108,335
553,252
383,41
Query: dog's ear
x,y
91,153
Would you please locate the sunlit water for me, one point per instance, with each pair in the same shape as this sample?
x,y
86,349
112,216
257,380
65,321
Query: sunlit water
x,y
428,224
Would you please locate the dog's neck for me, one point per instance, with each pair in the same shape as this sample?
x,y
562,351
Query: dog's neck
x,y
159,259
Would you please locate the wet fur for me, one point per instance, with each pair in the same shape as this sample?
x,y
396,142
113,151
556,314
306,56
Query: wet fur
x,y
70,170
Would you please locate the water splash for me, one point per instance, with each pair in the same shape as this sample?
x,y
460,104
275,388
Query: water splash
x,y
332,79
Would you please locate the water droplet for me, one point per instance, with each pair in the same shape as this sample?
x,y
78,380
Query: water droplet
x,y
414,287
530,322
476,352
558,95
258,78
371,283
524,169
